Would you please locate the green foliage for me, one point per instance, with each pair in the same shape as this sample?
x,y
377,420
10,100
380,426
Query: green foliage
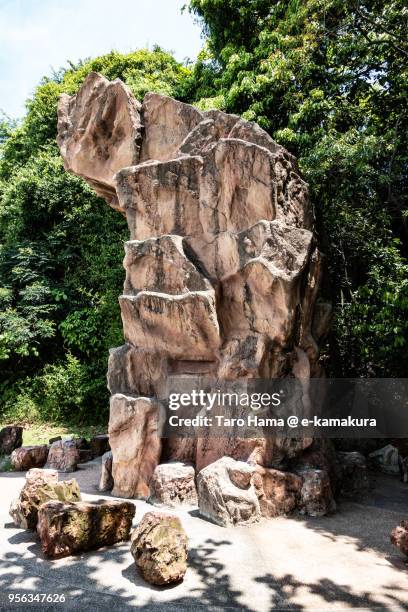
x,y
61,252
328,80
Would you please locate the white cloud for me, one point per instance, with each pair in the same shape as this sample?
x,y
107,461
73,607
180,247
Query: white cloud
x,y
37,35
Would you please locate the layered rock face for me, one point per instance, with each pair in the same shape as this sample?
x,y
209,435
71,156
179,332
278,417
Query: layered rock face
x,y
222,269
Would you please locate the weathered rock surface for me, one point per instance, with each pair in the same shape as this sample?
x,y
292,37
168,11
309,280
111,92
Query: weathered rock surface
x,y
226,493
27,457
316,496
222,267
106,480
40,487
135,427
159,547
385,459
354,481
173,484
278,492
99,132
63,456
11,437
67,528
399,537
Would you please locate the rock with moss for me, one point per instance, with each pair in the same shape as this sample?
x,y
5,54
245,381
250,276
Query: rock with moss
x,y
159,547
40,487
68,528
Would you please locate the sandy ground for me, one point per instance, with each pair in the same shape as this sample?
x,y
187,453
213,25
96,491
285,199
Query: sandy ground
x,y
340,562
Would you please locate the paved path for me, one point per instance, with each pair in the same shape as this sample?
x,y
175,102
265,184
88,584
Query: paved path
x,y
334,563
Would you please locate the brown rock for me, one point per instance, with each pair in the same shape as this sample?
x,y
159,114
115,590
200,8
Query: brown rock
x,y
11,437
226,493
159,547
135,427
278,492
41,486
316,497
100,445
106,480
399,537
173,484
134,371
354,481
63,456
99,132
27,457
67,528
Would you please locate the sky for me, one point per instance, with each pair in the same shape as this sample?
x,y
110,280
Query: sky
x,y
37,36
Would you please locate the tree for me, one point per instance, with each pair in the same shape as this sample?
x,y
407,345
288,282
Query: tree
x,y
328,79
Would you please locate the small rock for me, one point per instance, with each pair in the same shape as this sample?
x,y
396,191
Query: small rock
x,y
354,480
11,437
226,493
27,457
159,547
385,459
52,440
106,481
41,486
316,497
173,484
66,528
278,492
100,445
63,456
399,537
85,455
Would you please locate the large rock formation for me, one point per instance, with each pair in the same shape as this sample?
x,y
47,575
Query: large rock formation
x,y
222,269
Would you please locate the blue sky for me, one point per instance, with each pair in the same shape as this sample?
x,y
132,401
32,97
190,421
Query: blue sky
x,y
37,35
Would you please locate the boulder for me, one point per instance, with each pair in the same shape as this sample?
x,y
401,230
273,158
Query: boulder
x,y
41,486
55,439
226,493
27,457
106,480
173,484
85,455
159,548
399,537
63,456
354,481
135,427
222,266
67,528
100,445
278,492
316,497
11,437
385,459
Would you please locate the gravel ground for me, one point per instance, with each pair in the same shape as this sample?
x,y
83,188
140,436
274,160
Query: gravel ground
x,y
340,562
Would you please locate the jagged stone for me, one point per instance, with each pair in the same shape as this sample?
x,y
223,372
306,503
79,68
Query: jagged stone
x,y
222,268
316,497
106,480
99,132
173,485
135,427
27,457
278,492
63,456
41,486
182,326
11,437
166,122
226,493
159,547
399,537
67,528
